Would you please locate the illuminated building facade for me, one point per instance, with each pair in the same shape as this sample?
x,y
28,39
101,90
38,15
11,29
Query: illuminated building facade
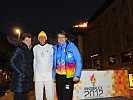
x,y
107,42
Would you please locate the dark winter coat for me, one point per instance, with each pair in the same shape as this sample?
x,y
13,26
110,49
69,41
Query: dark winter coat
x,y
21,63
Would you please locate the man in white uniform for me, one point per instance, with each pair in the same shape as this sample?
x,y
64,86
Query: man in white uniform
x,y
43,63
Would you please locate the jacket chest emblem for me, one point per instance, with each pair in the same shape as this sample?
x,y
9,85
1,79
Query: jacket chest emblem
x,y
69,55
44,52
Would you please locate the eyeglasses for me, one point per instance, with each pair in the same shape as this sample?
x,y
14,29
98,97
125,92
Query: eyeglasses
x,y
61,37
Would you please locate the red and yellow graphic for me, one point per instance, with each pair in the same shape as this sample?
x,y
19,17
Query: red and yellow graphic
x,y
121,83
93,79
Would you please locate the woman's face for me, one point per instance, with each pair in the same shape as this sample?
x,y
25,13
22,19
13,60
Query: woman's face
x,y
61,38
27,41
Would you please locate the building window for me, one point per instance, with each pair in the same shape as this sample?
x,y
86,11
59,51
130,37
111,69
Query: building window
x,y
115,27
114,12
96,62
126,57
132,10
108,46
112,60
117,43
123,2
105,19
128,37
126,20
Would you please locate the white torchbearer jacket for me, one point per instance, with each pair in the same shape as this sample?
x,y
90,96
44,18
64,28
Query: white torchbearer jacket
x,y
43,62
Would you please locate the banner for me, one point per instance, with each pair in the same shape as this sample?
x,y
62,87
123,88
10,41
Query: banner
x,y
131,80
101,84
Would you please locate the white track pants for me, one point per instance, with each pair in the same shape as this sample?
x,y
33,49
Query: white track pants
x,y
49,89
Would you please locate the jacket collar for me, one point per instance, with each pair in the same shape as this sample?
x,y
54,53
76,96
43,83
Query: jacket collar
x,y
41,44
67,45
24,46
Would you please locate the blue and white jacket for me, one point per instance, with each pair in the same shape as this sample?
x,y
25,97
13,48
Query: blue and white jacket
x,y
67,60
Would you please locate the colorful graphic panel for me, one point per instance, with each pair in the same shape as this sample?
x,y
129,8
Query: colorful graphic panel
x,y
101,84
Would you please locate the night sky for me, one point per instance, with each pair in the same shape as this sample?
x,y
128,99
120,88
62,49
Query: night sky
x,y
49,15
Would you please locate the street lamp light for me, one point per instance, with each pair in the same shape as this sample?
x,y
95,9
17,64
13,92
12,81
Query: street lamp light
x,y
18,32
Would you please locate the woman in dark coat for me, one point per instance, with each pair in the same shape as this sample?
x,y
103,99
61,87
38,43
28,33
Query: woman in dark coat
x,y
21,64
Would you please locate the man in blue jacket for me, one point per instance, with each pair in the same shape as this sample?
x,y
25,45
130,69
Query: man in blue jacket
x,y
67,66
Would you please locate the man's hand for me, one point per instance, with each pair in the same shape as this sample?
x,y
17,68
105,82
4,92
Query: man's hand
x,y
76,79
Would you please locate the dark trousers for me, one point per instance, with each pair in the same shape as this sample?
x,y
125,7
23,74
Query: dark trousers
x,y
21,96
64,87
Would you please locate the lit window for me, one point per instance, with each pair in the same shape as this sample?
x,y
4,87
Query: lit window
x,y
96,62
126,57
112,60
